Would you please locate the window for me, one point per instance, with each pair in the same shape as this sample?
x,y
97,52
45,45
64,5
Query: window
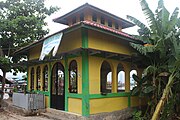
x,y
106,78
58,79
94,17
32,79
102,20
109,82
74,20
45,78
132,81
73,77
116,26
38,78
82,17
109,23
121,78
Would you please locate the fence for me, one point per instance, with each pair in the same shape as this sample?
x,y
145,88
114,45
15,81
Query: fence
x,y
29,101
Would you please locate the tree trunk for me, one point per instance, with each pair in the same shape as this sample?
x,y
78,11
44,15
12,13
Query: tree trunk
x,y
163,99
2,89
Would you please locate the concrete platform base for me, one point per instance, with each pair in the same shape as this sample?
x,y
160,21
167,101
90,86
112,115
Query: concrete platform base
x,y
124,114
53,114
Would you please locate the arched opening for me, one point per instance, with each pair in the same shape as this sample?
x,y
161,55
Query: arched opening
x,y
132,81
45,78
73,77
57,86
32,79
121,78
106,78
38,78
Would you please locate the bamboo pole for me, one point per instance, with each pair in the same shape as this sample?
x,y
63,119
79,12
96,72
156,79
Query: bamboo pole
x,y
163,99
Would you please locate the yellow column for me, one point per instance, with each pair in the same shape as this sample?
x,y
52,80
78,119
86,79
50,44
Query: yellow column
x,y
127,77
29,78
114,80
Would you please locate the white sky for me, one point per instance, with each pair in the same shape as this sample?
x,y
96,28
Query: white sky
x,y
120,8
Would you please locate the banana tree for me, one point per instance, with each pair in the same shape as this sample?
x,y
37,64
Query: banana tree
x,y
174,65
161,47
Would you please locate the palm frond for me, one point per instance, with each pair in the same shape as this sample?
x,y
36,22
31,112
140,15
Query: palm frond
x,y
165,19
143,49
139,24
1,52
149,16
162,18
176,48
175,14
169,35
149,70
144,39
161,47
173,19
178,23
160,4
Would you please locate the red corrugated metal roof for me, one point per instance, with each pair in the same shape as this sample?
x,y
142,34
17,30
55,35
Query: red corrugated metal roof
x,y
107,28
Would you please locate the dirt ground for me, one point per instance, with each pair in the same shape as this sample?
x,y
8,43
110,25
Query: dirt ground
x,y
6,115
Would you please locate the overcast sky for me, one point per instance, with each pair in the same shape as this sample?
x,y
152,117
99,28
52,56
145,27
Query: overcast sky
x,y
120,8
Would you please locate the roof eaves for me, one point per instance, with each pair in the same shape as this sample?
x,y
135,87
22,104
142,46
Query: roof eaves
x,y
101,28
128,24
70,13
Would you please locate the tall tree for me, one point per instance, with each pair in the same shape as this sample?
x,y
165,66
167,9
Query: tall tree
x,y
21,22
161,50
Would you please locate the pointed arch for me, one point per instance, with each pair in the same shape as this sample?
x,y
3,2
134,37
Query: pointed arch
x,y
132,72
73,77
45,78
38,78
105,78
32,79
58,79
120,78
58,86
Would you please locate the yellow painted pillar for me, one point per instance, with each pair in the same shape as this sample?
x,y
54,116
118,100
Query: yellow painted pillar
x,y
114,80
29,78
35,78
127,77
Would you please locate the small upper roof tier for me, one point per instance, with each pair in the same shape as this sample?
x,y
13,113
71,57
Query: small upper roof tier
x,y
92,13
